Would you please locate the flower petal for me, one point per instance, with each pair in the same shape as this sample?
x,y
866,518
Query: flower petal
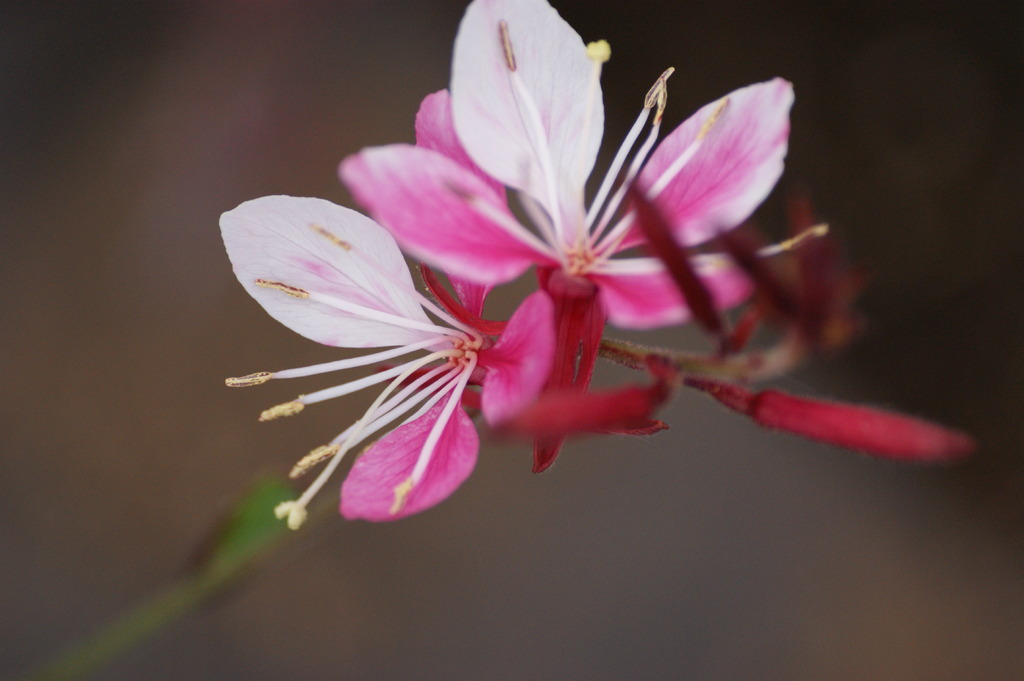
x,y
519,363
648,297
282,239
734,168
579,319
494,122
435,130
471,295
426,201
369,490
625,410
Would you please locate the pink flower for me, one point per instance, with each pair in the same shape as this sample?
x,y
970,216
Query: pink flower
x,y
338,278
525,112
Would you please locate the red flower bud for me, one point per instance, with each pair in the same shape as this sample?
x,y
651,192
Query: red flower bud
x,y
869,430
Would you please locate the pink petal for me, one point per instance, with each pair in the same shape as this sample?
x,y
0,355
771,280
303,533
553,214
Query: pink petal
x,y
735,167
369,490
436,131
471,295
489,116
519,363
651,299
424,199
624,410
273,238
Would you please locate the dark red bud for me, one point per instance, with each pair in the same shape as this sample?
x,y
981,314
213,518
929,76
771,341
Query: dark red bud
x,y
872,431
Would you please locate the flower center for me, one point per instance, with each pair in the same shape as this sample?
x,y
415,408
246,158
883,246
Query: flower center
x,y
579,260
464,351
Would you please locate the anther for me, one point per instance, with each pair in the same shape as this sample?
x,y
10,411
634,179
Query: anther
x,y
710,122
321,453
290,510
259,378
290,290
401,495
657,97
286,409
330,236
599,51
506,45
815,232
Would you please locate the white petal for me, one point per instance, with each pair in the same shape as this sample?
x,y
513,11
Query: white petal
x,y
491,119
280,239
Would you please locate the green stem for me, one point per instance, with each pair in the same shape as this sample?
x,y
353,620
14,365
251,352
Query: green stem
x,y
171,604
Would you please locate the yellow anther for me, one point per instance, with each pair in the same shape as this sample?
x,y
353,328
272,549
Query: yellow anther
x,y
599,51
293,514
290,290
321,453
401,495
792,243
330,236
286,409
657,97
710,122
259,378
815,232
506,45
282,510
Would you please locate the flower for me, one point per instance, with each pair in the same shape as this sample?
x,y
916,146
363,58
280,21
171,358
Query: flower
x,y
338,278
525,112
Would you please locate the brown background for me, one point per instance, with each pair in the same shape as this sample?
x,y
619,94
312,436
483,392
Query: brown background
x,y
713,551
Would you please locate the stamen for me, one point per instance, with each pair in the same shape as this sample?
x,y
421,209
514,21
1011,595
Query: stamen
x,y
709,123
391,278
542,150
379,377
372,421
286,409
376,315
815,232
442,420
613,169
506,45
657,96
321,453
685,157
657,99
599,51
293,511
401,494
511,226
403,489
330,236
259,378
290,290
362,360
611,241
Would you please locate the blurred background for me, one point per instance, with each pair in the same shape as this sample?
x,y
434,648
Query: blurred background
x,y
711,551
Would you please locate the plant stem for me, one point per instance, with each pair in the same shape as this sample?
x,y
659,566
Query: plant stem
x,y
172,603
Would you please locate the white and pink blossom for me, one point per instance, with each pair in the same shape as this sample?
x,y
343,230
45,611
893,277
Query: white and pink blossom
x,y
525,112
338,278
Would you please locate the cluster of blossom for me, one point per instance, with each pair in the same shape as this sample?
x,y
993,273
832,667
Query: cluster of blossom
x,y
517,134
